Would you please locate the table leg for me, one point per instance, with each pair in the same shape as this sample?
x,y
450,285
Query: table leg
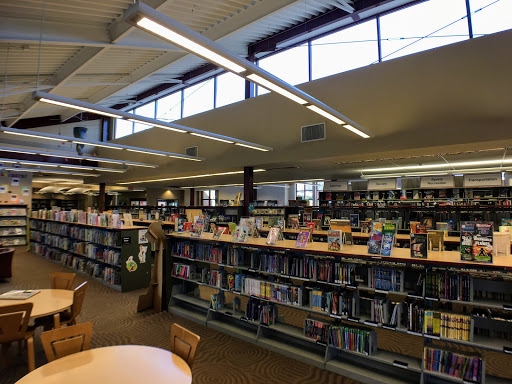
x,y
56,321
30,354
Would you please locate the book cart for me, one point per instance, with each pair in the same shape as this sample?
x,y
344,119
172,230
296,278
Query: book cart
x,y
375,319
107,254
13,224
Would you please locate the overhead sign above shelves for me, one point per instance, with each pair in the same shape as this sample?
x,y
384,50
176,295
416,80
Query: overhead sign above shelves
x,y
431,182
483,180
334,186
381,184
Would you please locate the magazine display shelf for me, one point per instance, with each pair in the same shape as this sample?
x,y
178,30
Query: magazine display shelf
x,y
51,244
13,224
398,357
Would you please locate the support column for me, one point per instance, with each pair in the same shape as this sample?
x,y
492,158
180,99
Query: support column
x,y
192,197
101,198
248,188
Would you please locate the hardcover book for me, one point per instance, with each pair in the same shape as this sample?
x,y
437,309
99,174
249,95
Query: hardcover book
x,y
366,226
354,220
482,242
334,240
467,230
375,240
419,247
344,226
302,239
388,238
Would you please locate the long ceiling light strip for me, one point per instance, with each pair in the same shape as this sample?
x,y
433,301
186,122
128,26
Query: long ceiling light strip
x,y
148,121
32,170
440,165
269,183
436,173
76,157
188,177
50,136
44,164
156,23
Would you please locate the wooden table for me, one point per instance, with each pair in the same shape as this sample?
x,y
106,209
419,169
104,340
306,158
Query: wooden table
x,y
47,302
127,364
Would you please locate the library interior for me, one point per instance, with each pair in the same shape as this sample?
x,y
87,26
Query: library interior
x,y
256,191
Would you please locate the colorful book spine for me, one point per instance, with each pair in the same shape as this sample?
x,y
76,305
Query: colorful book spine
x,y
453,364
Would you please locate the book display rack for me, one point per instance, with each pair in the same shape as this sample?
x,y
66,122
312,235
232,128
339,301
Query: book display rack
x,y
113,256
13,224
375,319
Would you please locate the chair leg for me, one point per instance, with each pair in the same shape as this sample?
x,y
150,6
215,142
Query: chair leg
x,y
56,321
30,354
5,349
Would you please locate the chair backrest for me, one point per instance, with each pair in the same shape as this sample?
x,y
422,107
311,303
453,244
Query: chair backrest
x,y
78,300
184,343
14,321
62,280
65,341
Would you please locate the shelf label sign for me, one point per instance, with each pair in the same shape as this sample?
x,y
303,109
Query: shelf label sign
x,y
334,186
431,182
381,184
483,180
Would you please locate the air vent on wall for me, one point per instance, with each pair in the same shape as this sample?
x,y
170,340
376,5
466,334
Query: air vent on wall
x,y
312,132
191,151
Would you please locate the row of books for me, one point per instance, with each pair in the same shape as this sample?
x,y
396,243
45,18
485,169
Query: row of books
x,y
12,222
340,303
387,279
383,311
184,271
447,285
282,293
13,231
205,252
354,339
13,211
94,235
453,364
105,219
316,330
448,325
10,241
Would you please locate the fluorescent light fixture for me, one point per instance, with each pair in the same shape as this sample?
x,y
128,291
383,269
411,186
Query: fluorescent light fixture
x,y
356,131
99,169
31,170
276,88
314,108
286,181
143,16
72,106
35,163
189,45
211,137
441,165
82,105
250,146
158,125
50,136
189,177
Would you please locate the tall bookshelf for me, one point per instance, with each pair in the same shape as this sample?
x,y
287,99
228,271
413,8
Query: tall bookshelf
x,y
353,299
103,253
13,224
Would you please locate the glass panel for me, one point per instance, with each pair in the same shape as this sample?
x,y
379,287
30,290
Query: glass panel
x,y
212,194
230,89
427,25
342,51
290,66
168,108
198,98
123,128
490,16
147,110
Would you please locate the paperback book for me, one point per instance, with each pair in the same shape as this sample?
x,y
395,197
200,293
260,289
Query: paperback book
x,y
302,239
273,235
354,220
375,240
218,232
366,226
467,229
344,226
476,241
419,245
241,234
334,242
388,238
436,240
19,295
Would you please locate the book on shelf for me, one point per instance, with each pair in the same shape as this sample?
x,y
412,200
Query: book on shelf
x,y
232,228
316,329
427,222
442,226
197,228
354,220
366,226
310,226
501,244
419,245
435,240
127,220
334,242
293,221
19,294
476,239
241,234
302,239
213,227
219,232
344,226
455,364
273,235
375,239
388,238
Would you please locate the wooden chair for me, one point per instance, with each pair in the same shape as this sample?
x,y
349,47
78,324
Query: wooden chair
x,y
62,280
61,342
6,255
13,327
69,317
184,343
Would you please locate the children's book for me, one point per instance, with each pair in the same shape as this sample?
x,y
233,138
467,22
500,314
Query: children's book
x,y
375,240
311,226
334,240
435,240
302,239
187,226
388,238
293,221
354,220
366,226
482,242
467,229
344,226
419,247
213,227
19,295
259,223
273,235
232,228
218,232
241,234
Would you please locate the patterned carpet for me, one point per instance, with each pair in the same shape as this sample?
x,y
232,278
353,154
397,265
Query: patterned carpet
x,y
220,359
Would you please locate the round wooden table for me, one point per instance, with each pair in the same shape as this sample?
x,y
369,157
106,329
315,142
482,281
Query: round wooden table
x,y
47,302
127,364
